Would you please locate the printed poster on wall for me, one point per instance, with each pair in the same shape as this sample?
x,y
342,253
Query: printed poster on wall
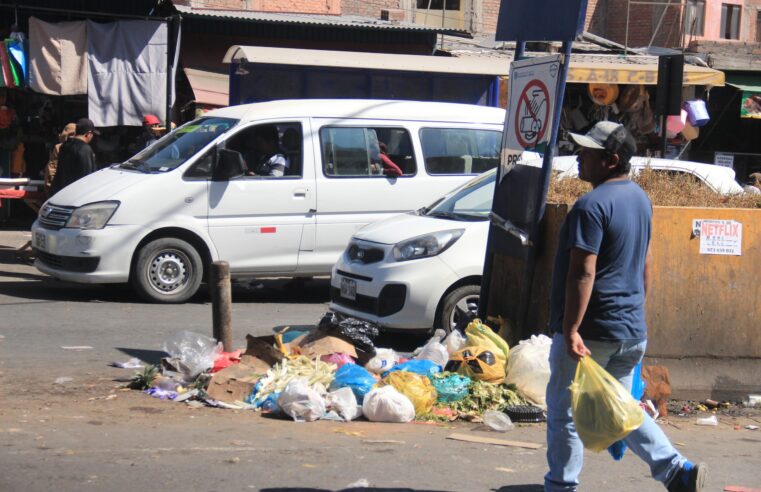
x,y
750,105
718,237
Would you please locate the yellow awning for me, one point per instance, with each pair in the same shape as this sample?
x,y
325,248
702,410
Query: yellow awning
x,y
621,73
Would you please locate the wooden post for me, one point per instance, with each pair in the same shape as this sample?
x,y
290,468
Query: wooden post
x,y
221,303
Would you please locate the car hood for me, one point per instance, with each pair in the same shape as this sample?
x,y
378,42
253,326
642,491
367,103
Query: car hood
x,y
406,226
105,184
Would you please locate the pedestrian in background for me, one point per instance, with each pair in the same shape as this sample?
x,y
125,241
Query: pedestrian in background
x,y
601,276
76,159
52,165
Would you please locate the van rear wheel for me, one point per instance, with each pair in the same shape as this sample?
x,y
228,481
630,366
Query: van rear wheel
x,y
167,270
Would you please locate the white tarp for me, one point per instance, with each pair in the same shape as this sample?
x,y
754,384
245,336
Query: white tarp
x,y
57,57
127,71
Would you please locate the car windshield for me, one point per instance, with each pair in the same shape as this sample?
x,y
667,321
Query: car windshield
x,y
178,146
471,201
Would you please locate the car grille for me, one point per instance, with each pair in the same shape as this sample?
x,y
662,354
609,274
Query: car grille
x,y
68,263
390,301
363,254
53,217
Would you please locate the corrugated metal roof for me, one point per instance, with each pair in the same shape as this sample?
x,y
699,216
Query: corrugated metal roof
x,y
349,21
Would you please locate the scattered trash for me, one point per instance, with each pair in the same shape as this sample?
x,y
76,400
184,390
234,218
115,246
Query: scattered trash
x,y
434,350
528,368
450,387
753,401
498,421
225,359
752,427
344,403
339,359
384,360
712,420
361,483
478,363
63,380
414,386
355,377
301,402
76,347
133,363
386,404
196,352
360,333
455,341
423,367
525,413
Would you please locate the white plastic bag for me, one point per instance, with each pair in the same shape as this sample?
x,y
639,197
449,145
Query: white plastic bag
x,y
196,351
343,402
386,404
455,341
528,368
301,402
434,350
384,360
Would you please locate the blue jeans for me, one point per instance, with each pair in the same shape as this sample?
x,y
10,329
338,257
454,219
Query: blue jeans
x,y
565,452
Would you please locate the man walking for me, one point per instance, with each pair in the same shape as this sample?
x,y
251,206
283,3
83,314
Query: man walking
x,y
601,275
75,159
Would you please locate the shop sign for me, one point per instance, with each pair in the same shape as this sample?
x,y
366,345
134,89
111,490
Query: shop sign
x,y
718,237
612,75
724,160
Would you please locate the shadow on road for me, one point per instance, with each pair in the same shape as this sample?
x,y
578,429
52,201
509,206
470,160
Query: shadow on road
x,y
148,356
352,489
521,488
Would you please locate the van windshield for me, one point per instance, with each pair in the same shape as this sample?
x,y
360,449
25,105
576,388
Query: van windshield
x,y
470,202
178,146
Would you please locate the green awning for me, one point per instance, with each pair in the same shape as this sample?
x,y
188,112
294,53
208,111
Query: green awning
x,y
750,85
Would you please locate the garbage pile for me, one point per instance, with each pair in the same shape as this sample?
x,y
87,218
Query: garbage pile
x,y
335,372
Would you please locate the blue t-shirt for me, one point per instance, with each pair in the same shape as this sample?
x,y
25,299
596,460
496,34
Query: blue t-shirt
x,y
612,221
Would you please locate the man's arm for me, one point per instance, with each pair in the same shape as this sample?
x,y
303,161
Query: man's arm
x,y
578,290
648,270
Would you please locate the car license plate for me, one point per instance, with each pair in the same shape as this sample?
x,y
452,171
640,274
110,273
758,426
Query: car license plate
x,y
40,241
349,288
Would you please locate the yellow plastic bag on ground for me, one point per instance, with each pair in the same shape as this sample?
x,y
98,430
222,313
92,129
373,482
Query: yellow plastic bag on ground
x,y
477,363
417,388
480,335
603,410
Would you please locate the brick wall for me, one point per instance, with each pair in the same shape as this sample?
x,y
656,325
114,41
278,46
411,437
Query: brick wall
x,y
489,15
369,8
332,7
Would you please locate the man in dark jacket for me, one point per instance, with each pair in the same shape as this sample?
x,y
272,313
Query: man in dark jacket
x,y
76,159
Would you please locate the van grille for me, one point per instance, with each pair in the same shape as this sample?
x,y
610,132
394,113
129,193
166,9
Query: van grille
x,y
53,217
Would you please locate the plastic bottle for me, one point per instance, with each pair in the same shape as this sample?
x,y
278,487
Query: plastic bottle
x,y
498,421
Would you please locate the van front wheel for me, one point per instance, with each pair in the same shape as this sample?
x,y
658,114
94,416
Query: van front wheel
x,y
167,270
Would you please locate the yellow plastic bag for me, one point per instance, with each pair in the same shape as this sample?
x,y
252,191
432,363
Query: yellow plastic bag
x,y
416,387
603,410
477,363
480,335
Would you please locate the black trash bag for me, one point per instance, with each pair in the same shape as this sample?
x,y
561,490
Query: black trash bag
x,y
358,332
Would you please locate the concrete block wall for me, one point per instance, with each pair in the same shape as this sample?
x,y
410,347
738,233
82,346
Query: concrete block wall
x,y
369,8
332,7
489,15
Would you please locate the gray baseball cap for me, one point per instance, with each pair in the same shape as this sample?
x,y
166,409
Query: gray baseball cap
x,y
607,135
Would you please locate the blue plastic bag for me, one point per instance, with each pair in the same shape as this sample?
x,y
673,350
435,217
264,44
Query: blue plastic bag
x,y
618,448
424,367
355,377
451,388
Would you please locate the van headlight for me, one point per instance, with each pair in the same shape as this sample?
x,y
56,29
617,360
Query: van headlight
x,y
92,216
426,245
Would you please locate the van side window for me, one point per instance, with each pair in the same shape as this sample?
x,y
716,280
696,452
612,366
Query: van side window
x,y
459,150
367,151
272,150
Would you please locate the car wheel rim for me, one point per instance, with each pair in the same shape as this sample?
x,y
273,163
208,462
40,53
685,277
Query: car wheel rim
x,y
467,307
169,272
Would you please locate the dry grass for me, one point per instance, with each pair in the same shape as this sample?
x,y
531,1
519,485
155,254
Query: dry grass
x,y
664,190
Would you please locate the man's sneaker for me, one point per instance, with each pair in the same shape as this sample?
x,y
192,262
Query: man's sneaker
x,y
689,478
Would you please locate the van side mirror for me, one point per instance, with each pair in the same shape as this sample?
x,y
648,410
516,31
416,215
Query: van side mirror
x,y
230,165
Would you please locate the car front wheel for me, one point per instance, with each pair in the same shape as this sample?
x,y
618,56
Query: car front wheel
x,y
458,305
167,270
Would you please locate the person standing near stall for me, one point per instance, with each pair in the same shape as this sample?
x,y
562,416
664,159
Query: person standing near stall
x,y
50,168
76,158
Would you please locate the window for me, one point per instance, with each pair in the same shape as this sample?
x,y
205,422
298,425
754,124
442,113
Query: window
x,y
365,152
460,151
436,4
694,10
758,26
270,150
730,22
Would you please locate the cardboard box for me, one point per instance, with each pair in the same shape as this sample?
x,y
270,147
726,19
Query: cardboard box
x,y
320,343
235,383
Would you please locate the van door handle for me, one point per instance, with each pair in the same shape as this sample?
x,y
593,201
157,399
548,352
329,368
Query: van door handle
x,y
300,192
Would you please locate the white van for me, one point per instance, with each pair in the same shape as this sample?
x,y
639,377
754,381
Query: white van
x,y
158,219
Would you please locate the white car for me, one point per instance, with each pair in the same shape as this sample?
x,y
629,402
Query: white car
x,y
423,269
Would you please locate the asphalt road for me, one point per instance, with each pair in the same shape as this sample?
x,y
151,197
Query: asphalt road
x,y
68,424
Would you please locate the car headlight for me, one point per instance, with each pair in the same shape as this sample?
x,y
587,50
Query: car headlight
x,y
92,216
426,245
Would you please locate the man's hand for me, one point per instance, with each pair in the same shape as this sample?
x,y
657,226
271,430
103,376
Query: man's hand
x,y
576,347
